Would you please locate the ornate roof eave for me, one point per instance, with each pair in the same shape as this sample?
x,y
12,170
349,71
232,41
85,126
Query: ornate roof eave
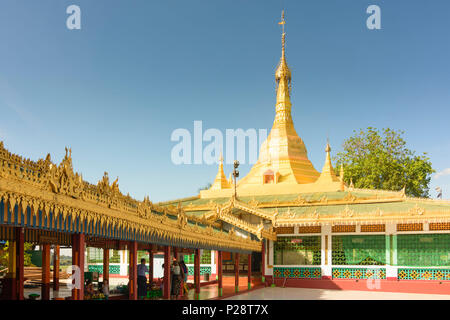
x,y
348,216
223,213
44,186
299,202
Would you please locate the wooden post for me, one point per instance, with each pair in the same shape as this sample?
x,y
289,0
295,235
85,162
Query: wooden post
x,y
106,265
56,268
197,273
78,248
132,274
175,253
150,266
167,263
45,287
236,272
19,262
10,280
249,266
219,272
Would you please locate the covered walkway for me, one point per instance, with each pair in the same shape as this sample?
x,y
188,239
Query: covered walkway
x,y
51,206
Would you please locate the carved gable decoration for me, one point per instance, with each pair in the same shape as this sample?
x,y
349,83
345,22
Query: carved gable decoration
x,y
62,179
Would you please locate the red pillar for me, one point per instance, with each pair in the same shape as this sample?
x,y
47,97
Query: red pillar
x,y
10,280
236,272
197,273
106,265
263,259
19,262
132,273
249,266
167,263
175,253
219,272
56,268
45,287
150,266
78,248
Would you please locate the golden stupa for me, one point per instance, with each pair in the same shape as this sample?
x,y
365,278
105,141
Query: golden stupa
x,y
283,165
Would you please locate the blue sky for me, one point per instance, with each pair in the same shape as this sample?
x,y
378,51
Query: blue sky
x,y
115,90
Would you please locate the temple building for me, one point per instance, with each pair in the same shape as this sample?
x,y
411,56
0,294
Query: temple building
x,y
284,224
316,230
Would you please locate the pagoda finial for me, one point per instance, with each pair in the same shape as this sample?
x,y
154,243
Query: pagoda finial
x,y
328,148
283,35
327,174
283,79
221,181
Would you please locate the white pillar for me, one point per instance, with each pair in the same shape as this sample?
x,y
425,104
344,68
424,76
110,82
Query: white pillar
x,y
213,262
326,254
391,232
269,259
123,262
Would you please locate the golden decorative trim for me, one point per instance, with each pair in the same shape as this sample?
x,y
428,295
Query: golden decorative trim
x,y
284,230
343,228
410,227
309,229
373,228
43,186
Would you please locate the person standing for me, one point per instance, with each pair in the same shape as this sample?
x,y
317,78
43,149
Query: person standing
x,y
105,289
186,272
177,276
142,279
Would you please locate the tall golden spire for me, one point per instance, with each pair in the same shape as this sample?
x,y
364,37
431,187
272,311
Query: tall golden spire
x,y
283,79
284,151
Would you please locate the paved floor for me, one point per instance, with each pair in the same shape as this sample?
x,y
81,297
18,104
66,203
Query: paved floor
x,y
206,292
278,293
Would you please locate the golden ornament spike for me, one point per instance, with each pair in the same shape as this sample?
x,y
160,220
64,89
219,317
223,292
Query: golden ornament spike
x,y
327,176
221,181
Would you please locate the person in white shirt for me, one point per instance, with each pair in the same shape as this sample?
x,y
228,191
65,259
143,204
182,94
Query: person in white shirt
x,y
142,279
105,288
177,276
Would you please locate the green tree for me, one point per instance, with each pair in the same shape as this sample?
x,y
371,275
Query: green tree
x,y
4,254
381,160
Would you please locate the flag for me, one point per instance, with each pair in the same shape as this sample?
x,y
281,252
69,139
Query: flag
x,y
439,190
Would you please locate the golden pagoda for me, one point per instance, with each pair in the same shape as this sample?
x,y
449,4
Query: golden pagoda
x,y
283,165
314,226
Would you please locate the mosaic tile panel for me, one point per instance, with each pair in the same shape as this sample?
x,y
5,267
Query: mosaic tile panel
x,y
365,250
297,272
423,250
358,273
113,269
373,228
343,228
204,259
203,270
309,229
423,274
410,227
439,226
298,250
284,230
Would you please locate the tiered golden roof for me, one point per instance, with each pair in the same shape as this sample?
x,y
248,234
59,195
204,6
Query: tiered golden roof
x,y
284,189
61,197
